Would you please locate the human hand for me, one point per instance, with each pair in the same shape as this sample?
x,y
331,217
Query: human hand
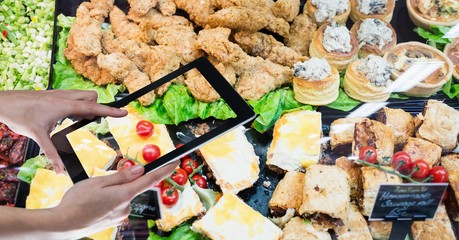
x,y
35,113
98,203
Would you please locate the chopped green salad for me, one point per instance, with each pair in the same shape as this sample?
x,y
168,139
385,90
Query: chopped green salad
x,y
25,44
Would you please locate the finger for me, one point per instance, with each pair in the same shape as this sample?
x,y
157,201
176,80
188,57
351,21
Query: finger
x,y
84,95
123,177
91,109
50,151
147,181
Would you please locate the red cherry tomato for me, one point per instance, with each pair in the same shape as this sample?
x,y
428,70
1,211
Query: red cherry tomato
x,y
5,33
150,152
169,196
189,164
180,176
144,128
124,163
439,173
368,154
420,169
199,180
401,161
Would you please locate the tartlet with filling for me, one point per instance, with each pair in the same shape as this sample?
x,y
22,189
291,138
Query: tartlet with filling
x,y
452,51
323,11
362,9
426,13
375,36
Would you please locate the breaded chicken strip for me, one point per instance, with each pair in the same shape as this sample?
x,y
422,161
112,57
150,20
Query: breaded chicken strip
x,y
98,9
161,60
259,5
125,71
301,32
182,39
156,20
121,26
198,10
167,7
141,7
135,51
267,47
200,87
256,75
286,9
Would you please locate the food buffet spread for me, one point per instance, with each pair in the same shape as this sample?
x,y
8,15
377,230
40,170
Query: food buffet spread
x,y
350,94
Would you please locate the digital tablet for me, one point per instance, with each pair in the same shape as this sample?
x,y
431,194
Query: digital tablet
x,y
84,153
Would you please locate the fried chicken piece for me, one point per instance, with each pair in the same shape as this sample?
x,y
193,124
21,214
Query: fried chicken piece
x,y
201,89
259,5
121,26
286,9
161,60
182,39
256,75
125,70
267,47
300,35
238,18
198,10
97,9
167,7
141,7
156,20
277,25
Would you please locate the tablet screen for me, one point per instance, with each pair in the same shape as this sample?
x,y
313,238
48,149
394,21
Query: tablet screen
x,y
90,148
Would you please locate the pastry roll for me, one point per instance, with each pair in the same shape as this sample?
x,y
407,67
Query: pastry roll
x,y
401,122
353,171
403,55
375,134
428,13
315,82
380,230
382,9
421,149
443,130
451,163
452,51
326,195
298,229
437,228
342,134
371,179
323,11
336,44
296,141
367,79
375,36
355,226
288,193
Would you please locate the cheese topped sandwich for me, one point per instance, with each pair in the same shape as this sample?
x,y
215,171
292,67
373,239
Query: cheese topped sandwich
x,y
232,219
232,160
124,131
296,141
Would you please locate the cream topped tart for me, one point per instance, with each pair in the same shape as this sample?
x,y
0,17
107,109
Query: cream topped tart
x,y
426,13
323,11
375,36
362,9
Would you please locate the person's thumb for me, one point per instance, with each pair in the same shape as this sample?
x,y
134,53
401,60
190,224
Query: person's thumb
x,y
125,176
50,151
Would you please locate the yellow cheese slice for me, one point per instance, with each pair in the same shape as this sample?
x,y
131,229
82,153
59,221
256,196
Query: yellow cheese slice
x,y
124,131
91,151
47,189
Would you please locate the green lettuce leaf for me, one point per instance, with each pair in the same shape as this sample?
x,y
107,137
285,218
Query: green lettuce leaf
x,y
272,105
182,232
29,168
66,78
207,196
400,96
98,128
155,112
451,90
434,36
344,102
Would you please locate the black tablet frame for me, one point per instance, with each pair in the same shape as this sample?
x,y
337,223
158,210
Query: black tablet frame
x,y
243,112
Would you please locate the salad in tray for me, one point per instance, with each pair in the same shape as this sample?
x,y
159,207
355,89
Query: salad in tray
x,y
291,62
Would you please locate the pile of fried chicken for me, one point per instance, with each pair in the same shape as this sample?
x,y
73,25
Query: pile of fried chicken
x,y
151,41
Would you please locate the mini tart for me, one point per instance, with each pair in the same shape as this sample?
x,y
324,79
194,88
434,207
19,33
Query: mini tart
x,y
452,51
340,19
368,49
425,21
359,87
416,51
339,60
356,15
317,93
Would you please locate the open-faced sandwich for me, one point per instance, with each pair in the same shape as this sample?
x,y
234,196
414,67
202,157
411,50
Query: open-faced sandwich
x,y
375,36
342,134
367,79
362,9
288,194
452,51
402,56
426,13
401,122
322,11
336,44
315,82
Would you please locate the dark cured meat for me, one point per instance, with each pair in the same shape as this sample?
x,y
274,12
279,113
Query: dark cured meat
x,y
16,152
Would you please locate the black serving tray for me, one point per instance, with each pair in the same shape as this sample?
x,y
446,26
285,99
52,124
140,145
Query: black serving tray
x,y
257,196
